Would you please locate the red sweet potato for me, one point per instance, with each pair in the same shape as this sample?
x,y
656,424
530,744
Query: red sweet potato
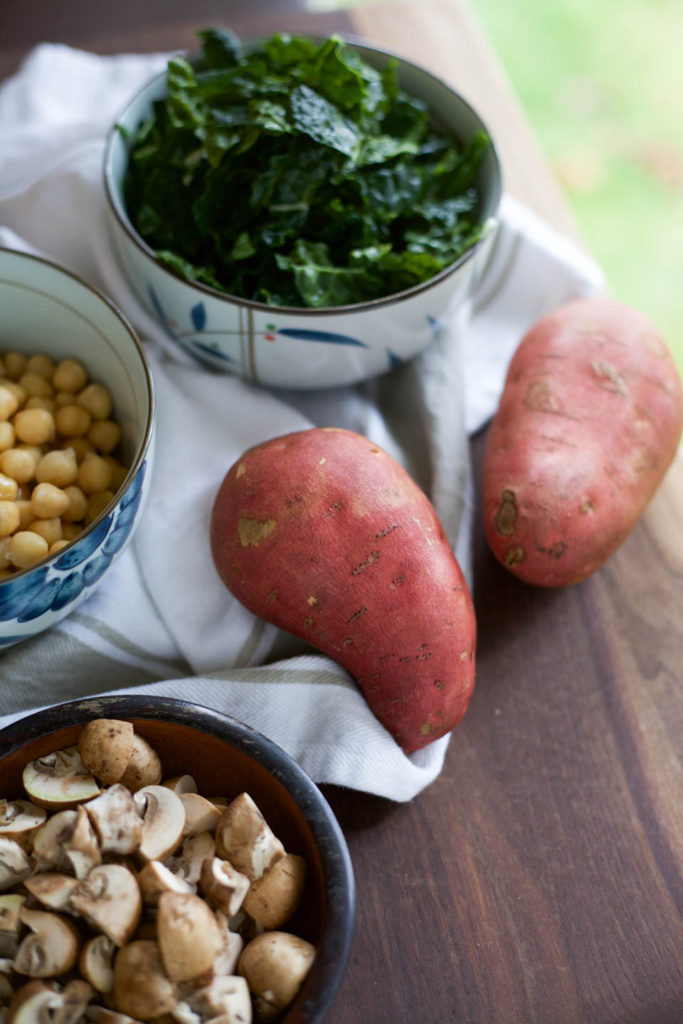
x,y
588,423
325,535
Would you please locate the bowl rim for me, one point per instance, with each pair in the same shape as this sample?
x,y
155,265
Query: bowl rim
x,y
144,444
335,945
120,214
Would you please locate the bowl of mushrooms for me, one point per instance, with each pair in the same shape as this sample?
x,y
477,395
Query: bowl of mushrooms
x,y
160,860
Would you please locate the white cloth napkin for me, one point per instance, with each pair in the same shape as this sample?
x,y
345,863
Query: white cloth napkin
x,y
161,621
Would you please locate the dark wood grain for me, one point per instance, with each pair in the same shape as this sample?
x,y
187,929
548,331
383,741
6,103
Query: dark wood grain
x,y
539,880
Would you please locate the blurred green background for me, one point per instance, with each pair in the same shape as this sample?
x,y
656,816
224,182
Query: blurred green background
x,y
601,84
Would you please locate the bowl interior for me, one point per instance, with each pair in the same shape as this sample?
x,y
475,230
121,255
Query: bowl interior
x,y
45,308
226,758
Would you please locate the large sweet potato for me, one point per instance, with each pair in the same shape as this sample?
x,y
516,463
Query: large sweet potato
x,y
325,535
587,426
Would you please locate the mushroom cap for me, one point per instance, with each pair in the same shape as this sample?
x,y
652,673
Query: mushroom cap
x,y
141,987
10,922
105,746
155,878
52,888
181,784
188,935
274,897
226,997
50,949
245,839
74,998
96,962
144,766
14,864
223,885
116,821
33,1003
275,965
109,899
19,819
200,814
163,820
59,780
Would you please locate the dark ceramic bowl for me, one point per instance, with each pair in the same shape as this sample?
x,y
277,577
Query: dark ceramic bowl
x,y
226,758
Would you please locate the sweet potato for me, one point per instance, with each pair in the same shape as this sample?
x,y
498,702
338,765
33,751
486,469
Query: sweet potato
x,y
325,535
588,423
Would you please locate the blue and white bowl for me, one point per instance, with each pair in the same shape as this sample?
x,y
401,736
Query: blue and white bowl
x,y
292,347
45,308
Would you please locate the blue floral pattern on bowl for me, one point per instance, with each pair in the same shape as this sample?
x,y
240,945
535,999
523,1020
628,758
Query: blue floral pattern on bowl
x,y
66,580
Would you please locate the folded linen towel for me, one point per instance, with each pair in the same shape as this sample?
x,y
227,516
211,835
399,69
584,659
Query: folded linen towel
x,y
161,622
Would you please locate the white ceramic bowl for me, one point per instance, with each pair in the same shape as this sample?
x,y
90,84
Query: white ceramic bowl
x,y
45,308
295,347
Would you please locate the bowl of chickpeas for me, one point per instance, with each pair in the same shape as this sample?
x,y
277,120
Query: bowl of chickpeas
x,y
76,441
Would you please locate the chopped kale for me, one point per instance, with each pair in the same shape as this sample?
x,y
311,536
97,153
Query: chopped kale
x,y
299,175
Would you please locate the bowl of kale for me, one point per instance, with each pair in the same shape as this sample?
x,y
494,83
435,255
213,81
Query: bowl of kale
x,y
301,212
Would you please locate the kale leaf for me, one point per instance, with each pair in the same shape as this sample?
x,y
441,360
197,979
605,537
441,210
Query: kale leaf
x,y
299,175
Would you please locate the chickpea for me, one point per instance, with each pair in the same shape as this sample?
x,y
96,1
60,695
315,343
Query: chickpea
x,y
7,436
41,364
15,364
49,529
58,467
4,556
105,435
36,384
26,549
8,488
34,426
9,517
70,375
97,400
63,398
26,513
57,546
48,501
19,463
16,389
72,421
9,403
81,446
119,472
38,402
78,505
94,474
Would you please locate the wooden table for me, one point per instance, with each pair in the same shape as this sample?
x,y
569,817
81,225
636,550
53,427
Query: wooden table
x,y
539,879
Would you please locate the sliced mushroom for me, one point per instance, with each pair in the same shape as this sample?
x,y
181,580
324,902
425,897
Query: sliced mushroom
x,y
226,997
232,945
188,863
109,899
74,998
144,766
245,839
10,905
6,990
96,963
103,1015
163,820
14,864
33,1003
200,814
106,746
223,885
19,819
52,888
67,839
275,965
50,949
142,989
59,780
115,817
181,784
274,897
155,878
188,935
